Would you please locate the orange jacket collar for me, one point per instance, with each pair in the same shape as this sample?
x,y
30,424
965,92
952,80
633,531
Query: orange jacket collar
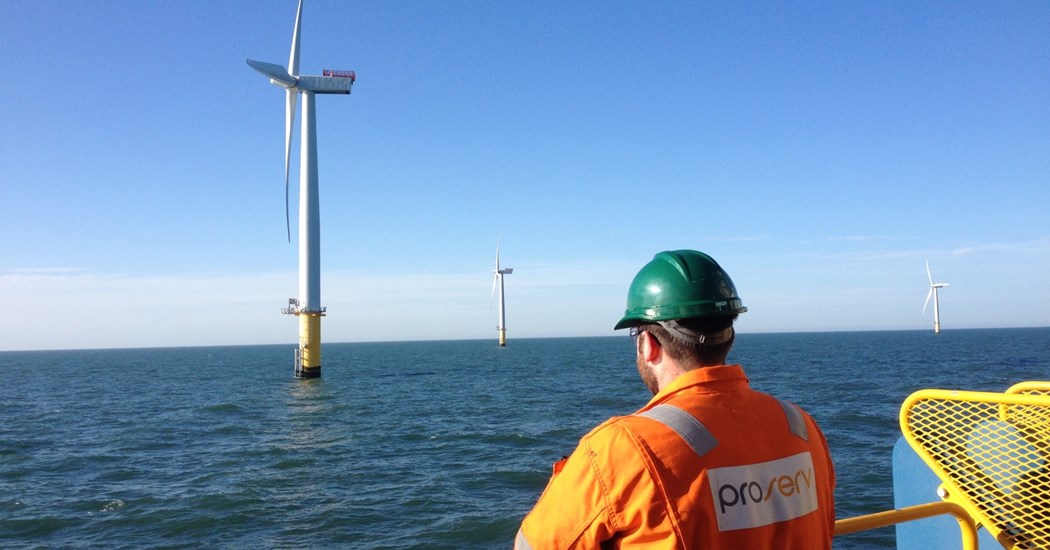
x,y
709,380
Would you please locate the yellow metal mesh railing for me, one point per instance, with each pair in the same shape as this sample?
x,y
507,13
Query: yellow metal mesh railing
x,y
1032,387
990,451
1033,421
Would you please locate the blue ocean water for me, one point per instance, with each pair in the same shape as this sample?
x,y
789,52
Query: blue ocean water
x,y
407,445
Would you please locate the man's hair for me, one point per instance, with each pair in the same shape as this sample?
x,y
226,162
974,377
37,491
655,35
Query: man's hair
x,y
688,354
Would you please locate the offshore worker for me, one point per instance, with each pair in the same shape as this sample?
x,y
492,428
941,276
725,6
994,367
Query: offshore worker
x,y
708,462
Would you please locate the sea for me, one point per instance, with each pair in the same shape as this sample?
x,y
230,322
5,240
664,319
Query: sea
x,y
442,444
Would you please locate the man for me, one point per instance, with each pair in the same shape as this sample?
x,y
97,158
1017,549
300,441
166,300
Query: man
x,y
708,462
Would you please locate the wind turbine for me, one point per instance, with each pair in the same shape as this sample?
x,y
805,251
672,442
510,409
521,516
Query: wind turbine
x,y
308,305
498,280
936,303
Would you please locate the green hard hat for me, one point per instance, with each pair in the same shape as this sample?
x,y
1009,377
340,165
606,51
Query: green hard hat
x,y
680,284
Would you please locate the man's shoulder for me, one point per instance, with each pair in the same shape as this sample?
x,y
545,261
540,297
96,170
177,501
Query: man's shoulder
x,y
613,428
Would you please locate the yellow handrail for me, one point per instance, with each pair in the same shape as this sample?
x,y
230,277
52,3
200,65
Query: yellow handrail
x,y
1030,387
846,526
990,452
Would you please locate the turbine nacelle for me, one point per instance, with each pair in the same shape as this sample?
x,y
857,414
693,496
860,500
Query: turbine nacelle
x,y
326,84
331,82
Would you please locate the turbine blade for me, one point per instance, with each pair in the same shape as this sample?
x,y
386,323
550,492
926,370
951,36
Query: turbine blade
x,y
287,216
278,75
292,97
293,57
928,296
928,272
495,279
497,251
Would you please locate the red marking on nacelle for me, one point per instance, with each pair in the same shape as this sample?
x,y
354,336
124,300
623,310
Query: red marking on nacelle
x,y
339,74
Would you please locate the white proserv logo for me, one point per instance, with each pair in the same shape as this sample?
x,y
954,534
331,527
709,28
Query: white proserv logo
x,y
761,494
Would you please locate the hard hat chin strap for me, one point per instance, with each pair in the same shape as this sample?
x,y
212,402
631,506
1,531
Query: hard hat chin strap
x,y
694,337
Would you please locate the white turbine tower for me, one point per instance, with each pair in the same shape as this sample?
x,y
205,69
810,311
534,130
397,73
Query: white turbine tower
x,y
498,280
308,305
936,303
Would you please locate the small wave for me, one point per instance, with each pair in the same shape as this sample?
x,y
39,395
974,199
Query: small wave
x,y
405,374
113,505
228,429
38,527
12,455
293,464
223,408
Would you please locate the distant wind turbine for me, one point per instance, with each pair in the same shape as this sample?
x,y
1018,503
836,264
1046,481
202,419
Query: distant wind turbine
x,y
308,305
498,280
936,303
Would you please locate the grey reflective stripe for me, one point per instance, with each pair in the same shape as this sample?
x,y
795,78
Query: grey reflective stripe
x,y
796,422
520,543
685,425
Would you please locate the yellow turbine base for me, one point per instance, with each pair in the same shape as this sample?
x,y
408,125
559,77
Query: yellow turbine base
x,y
502,337
310,344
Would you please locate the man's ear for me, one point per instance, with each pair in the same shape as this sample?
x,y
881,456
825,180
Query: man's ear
x,y
649,346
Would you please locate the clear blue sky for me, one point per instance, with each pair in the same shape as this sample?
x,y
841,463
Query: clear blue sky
x,y
822,152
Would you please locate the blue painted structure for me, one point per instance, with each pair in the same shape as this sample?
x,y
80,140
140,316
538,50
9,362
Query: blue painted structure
x,y
914,483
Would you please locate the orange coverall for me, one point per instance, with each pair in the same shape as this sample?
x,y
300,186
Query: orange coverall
x,y
707,463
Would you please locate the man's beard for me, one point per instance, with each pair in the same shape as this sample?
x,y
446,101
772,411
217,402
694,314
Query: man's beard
x,y
648,378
